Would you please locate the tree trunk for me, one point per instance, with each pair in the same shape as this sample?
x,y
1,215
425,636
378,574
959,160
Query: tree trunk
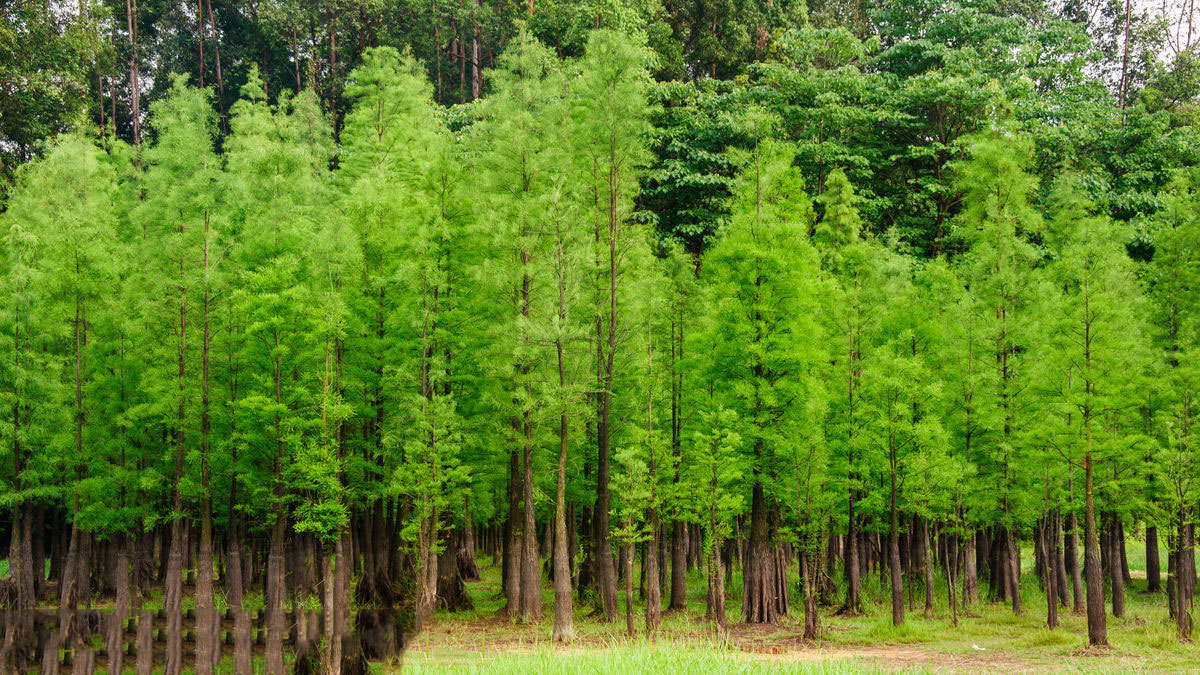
x,y
678,566
629,589
564,630
650,571
970,596
173,600
760,601
928,561
1153,574
897,584
897,576
1013,566
531,580
512,540
274,598
1051,572
1097,631
853,604
1116,569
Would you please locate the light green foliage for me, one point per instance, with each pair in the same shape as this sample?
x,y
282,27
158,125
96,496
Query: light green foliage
x,y
763,347
714,473
999,269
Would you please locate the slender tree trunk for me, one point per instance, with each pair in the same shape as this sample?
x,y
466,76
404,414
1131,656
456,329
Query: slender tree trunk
x,y
928,567
1153,574
1050,573
1097,632
650,568
512,539
629,553
1116,571
206,627
894,554
564,630
850,563
274,597
970,596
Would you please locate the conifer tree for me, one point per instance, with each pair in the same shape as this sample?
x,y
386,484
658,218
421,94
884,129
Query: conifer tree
x,y
178,216
526,171
996,221
1102,351
765,348
608,116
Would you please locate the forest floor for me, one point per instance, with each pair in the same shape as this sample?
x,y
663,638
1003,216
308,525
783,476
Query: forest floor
x,y
988,638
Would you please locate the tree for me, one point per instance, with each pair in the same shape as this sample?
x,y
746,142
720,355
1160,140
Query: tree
x,y
996,222
765,347
713,480
178,217
608,118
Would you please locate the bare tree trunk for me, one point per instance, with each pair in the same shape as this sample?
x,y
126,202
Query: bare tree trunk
x,y
897,584
531,578
1116,571
850,563
512,540
564,630
970,595
274,597
629,589
928,567
1050,573
1153,574
1097,631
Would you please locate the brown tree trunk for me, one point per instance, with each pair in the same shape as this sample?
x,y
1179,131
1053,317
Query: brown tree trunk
x,y
678,566
1050,574
1012,562
145,642
512,540
970,596
629,589
928,566
564,630
850,561
1153,574
760,600
274,598
1116,569
531,578
1097,631
897,578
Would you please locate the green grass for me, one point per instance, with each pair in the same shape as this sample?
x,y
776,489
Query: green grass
x,y
987,637
638,657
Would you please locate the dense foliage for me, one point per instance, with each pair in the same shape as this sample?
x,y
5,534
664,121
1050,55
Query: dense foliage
x,y
306,306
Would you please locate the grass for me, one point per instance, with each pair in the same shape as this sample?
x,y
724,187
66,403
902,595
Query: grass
x,y
631,657
987,637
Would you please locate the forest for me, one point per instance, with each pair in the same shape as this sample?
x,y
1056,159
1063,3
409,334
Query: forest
x,y
345,335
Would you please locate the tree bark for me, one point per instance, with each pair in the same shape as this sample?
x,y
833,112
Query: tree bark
x,y
1153,574
274,597
760,599
897,577
512,540
970,594
1097,631
564,630
1116,570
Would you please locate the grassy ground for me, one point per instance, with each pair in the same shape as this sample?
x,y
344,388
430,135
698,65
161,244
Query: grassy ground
x,y
990,637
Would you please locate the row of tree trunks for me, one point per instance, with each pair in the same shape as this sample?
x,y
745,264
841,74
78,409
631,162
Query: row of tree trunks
x,y
87,570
